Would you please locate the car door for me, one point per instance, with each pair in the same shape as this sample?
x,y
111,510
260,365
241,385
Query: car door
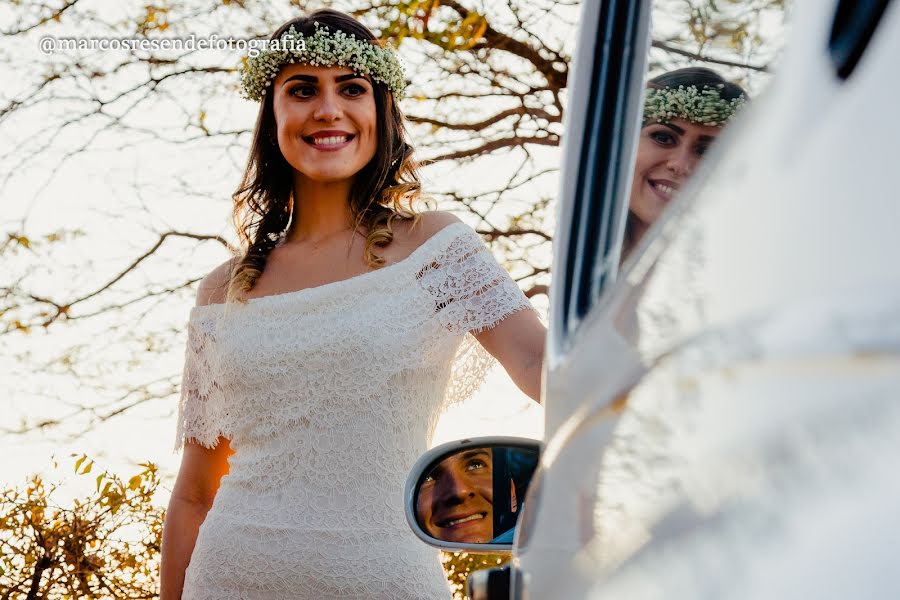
x,y
603,119
602,124
762,390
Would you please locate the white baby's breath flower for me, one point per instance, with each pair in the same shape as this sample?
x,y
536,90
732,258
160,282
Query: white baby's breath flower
x,y
323,48
705,107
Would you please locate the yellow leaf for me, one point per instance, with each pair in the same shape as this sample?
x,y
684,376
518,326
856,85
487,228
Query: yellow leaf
x,y
80,461
479,32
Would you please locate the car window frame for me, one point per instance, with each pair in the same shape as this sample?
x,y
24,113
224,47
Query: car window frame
x,y
608,79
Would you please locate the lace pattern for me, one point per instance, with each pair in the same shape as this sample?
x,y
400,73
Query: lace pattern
x,y
472,293
329,395
200,408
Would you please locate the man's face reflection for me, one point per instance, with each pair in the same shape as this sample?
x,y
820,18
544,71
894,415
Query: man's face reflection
x,y
455,503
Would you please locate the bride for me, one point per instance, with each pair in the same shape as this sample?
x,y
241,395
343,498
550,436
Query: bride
x,y
684,112
319,360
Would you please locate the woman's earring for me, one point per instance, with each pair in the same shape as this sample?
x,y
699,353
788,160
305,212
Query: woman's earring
x,y
273,140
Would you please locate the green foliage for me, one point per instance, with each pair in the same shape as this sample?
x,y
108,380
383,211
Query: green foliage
x,y
105,546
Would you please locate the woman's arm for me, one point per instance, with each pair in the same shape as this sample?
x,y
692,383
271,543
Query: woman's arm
x,y
195,488
517,342
198,477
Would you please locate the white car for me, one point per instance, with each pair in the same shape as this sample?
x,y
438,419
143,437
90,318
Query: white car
x,y
723,411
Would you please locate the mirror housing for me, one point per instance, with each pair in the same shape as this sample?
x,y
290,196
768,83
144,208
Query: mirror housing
x,y
495,472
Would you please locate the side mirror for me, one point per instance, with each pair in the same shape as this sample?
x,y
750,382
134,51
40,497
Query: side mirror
x,y
468,494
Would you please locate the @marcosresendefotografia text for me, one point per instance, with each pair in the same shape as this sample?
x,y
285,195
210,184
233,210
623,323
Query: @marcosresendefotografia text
x,y
251,47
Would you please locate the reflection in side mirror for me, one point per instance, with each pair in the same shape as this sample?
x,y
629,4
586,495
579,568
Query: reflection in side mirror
x,y
469,494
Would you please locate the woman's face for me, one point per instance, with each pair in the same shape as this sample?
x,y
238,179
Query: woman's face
x,y
326,119
666,157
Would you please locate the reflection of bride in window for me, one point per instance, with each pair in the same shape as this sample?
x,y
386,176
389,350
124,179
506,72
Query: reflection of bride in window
x,y
684,112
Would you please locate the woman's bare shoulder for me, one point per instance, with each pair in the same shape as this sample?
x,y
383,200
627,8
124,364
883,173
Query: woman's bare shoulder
x,y
430,223
213,287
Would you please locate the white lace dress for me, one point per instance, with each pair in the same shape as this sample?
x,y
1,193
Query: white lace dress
x,y
329,395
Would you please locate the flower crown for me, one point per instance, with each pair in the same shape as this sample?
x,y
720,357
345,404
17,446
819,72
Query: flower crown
x,y
324,48
702,106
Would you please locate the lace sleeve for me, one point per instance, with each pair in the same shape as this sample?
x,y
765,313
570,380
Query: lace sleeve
x,y
201,411
472,293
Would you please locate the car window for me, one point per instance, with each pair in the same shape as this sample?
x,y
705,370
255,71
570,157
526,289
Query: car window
x,y
609,68
687,97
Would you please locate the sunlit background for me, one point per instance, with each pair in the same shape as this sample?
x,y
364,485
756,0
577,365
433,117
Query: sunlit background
x,y
117,168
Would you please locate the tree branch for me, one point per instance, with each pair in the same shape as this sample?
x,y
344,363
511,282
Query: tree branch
x,y
699,57
518,141
479,125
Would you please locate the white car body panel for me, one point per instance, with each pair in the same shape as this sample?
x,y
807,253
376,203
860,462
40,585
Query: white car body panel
x,y
761,324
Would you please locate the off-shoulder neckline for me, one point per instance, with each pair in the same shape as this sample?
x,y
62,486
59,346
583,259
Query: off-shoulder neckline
x,y
332,285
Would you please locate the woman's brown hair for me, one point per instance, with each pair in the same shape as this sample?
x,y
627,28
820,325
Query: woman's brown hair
x,y
263,201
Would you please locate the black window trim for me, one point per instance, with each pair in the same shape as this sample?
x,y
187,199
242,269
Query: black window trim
x,y
604,160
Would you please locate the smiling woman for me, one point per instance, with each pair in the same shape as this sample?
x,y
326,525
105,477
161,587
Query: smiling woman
x,y
320,358
306,99
331,131
684,112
